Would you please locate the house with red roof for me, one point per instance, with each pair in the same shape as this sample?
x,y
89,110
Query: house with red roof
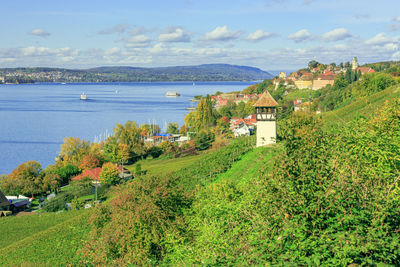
x,y
322,81
365,70
94,174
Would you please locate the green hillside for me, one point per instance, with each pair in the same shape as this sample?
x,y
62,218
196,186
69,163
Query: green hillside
x,y
363,106
38,242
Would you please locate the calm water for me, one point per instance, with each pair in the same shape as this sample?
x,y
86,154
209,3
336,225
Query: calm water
x,y
35,118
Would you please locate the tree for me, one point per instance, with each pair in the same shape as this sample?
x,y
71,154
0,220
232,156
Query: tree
x,y
204,115
130,135
109,174
154,151
172,128
65,172
168,147
138,169
204,140
312,64
25,179
183,130
51,182
89,162
73,150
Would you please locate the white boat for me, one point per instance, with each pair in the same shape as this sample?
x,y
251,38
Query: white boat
x,y
83,96
172,94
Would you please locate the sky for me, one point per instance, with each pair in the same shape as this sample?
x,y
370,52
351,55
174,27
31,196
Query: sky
x,y
268,34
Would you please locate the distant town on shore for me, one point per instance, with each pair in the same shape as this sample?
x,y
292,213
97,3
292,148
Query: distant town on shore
x,y
206,72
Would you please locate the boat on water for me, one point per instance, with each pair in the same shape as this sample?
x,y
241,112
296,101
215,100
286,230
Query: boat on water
x,y
172,94
63,83
191,108
83,96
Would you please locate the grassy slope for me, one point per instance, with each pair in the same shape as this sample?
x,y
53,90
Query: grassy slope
x,y
249,166
162,166
55,246
363,106
14,228
53,239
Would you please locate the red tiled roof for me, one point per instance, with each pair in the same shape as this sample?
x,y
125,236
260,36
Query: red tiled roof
x,y
93,173
325,77
365,70
266,100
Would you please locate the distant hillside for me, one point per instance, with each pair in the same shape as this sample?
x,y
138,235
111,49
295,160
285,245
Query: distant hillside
x,y
206,72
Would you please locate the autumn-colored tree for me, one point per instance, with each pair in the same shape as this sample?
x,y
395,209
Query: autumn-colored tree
x,y
116,152
88,162
73,150
168,147
203,117
51,182
109,174
183,130
25,179
129,134
150,128
144,133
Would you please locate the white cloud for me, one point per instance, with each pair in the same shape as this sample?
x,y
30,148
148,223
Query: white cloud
x,y
174,34
300,36
137,41
380,38
39,32
113,51
119,28
139,30
397,19
336,35
221,34
396,56
259,35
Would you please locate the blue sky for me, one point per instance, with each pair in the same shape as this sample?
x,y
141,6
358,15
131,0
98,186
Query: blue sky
x,y
268,34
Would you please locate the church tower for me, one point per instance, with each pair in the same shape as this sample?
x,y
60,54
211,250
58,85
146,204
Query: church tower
x,y
354,66
266,119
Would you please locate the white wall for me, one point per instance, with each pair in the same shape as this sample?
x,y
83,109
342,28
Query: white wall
x,y
266,133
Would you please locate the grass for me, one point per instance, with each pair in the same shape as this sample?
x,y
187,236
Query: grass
x,y
56,246
363,106
162,166
14,229
303,94
249,166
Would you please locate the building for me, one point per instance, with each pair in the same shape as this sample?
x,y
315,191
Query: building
x,y
94,174
304,83
282,75
4,203
322,81
364,70
354,65
223,99
266,119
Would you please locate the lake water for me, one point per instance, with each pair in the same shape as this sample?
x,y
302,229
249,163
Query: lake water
x,y
35,118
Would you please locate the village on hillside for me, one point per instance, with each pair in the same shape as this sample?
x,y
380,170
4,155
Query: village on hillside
x,y
319,75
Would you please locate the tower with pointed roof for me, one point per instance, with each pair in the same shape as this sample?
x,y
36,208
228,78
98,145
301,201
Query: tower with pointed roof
x,y
354,65
266,119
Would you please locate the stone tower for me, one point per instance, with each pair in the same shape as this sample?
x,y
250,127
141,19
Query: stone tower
x,y
266,119
354,66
